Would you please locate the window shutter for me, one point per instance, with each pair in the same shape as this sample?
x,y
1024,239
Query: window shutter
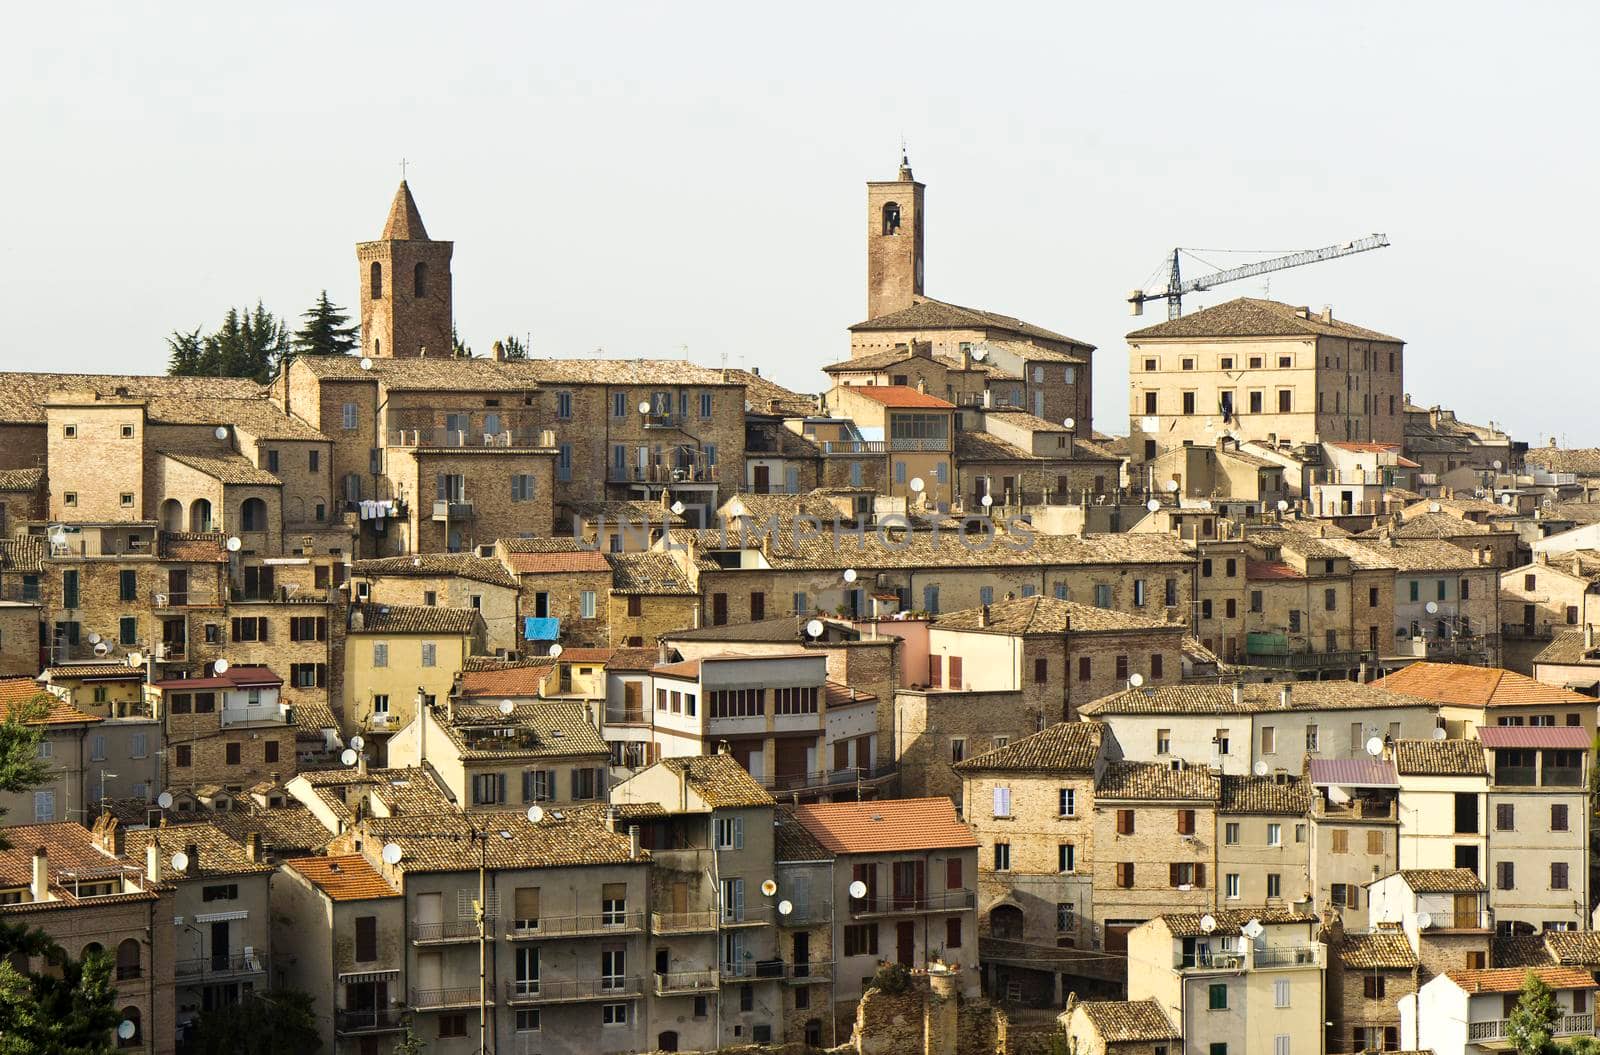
x,y
738,843
527,796
1199,875
1172,875
322,675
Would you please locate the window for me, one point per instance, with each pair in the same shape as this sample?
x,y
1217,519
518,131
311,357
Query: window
x,y
1280,996
1274,884
69,498
220,892
138,745
128,630
231,753
1558,818
430,654
1186,822
958,748
1375,842
1002,857
861,940
1163,741
614,1014
44,807
528,1021
1122,668
1558,875
730,833
1102,596
1285,401
1125,875
522,487
1085,668
1280,1043
1222,741
1218,997
1505,817
380,703
182,756
1341,840
488,789
1066,857
1269,740
380,652
270,751
1505,875
1230,885
1374,986
1002,802
1274,835
1311,738
1067,802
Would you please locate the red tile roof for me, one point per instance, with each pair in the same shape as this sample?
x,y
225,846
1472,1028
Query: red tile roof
x,y
346,877
507,681
1354,772
18,694
1570,737
1511,979
575,561
1270,569
903,396
1477,686
886,826
590,655
1366,448
240,677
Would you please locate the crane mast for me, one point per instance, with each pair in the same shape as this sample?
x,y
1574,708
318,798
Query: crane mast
x,y
1177,285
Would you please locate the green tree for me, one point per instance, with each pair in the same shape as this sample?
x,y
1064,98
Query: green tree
x,y
283,1023
183,359
459,348
513,348
326,330
1531,1025
249,343
408,1043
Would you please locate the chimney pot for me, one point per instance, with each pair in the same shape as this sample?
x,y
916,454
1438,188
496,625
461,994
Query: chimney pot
x,y
252,847
1286,695
193,853
633,842
40,886
152,862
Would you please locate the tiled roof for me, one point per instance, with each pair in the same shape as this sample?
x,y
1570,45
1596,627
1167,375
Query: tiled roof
x,y
1414,554
720,781
1127,1021
260,418
1431,525
219,855
24,480
984,447
1354,772
443,842
1440,758
94,672
432,565
1441,880
793,841
1566,647
344,877
1024,420
193,546
1518,950
517,375
411,619
922,550
925,313
1047,615
1066,747
626,659
1574,947
545,729
1559,737
405,220
1477,686
522,680
1230,922
656,574
886,826
237,676
1584,461
903,396
1270,571
24,696
1376,951
228,468
1251,317
583,560
1282,795
1123,779
1254,698
23,554
22,394
784,629
283,829
1512,979
761,393
872,361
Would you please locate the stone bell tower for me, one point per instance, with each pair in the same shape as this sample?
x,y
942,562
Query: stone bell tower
x,y
894,242
405,287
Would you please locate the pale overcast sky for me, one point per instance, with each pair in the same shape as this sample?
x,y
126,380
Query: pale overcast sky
x,y
648,177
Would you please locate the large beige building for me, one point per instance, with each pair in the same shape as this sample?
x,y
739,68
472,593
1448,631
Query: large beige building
x,y
1262,371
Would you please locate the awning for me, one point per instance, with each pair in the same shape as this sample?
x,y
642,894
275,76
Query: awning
x,y
1354,772
1559,737
356,978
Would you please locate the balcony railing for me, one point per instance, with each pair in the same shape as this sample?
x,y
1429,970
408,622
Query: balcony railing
x,y
1496,1028
853,446
550,991
527,439
575,926
1527,631
1308,660
454,509
683,922
656,473
908,904
674,983
453,996
930,446
1516,776
807,973
1562,777
623,716
449,930
1210,960
219,965
826,778
1288,956
371,1020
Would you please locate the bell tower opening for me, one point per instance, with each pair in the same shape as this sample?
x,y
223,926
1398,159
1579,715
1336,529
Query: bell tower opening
x,y
894,243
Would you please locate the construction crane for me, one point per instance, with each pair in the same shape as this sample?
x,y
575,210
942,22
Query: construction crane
x,y
1177,286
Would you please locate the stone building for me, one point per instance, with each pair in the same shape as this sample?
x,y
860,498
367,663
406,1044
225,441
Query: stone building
x,y
571,587
402,657
406,306
1369,974
226,732
449,580
1118,1027
1263,842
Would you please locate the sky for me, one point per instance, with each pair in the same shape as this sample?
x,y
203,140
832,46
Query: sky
x,y
668,180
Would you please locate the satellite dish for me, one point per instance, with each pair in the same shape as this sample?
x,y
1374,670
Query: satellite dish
x,y
980,354
678,508
1172,485
135,659
987,501
126,1029
644,407
556,650
1439,734
814,628
785,907
1070,423
94,639
1136,679
220,666
1153,505
392,853
1260,768
769,887
858,889
1283,504
917,485
1432,608
234,544
1496,464
366,363
221,433
164,800
535,814
1252,930
180,861
102,649
1375,746
348,757
506,707
1433,507
1208,923
850,575
1424,920
357,742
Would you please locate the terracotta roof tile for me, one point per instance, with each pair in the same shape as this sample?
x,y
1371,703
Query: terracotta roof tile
x,y
1440,758
24,696
903,396
886,826
228,468
649,573
719,780
219,855
21,480
1376,951
1517,950
1048,616
539,730
1580,947
1231,921
1512,979
1477,686
1441,880
1251,317
405,220
929,314
192,546
443,842
22,554
1157,780
1566,648
411,619
432,565
583,560
22,394
283,829
345,877
1066,747
1253,698
1283,795
1128,1021
793,841
523,680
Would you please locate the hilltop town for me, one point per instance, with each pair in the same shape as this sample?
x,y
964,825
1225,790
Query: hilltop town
x,y
562,705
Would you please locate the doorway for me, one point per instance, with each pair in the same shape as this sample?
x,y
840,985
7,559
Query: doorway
x,y
905,942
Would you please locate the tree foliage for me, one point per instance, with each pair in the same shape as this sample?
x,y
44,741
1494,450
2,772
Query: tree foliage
x,y
459,348
1532,1023
327,330
249,343
283,1023
513,348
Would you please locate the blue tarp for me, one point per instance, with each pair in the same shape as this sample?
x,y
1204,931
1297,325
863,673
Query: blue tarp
x,y
535,629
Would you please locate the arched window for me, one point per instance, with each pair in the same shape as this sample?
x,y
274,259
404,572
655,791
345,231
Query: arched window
x,y
419,280
891,217
128,958
200,515
253,515
94,948
172,515
352,487
133,1040
377,281
1005,921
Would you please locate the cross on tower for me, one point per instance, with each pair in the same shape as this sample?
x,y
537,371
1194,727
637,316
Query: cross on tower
x,y
403,164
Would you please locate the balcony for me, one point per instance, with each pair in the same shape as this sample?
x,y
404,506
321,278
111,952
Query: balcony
x,y
371,1020
683,922
657,473
853,446
827,778
459,509
1209,960
1288,956
576,926
808,973
624,716
1496,1028
912,904
924,445
232,965
440,999
685,983
1516,776
751,970
1527,631
750,917
1286,659
447,931
1362,809
570,990
509,439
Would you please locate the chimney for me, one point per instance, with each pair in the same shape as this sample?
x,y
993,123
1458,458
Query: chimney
x,y
499,351
922,385
663,654
988,399
361,763
1238,694
252,847
755,371
633,842
611,818
1327,314
41,875
152,862
193,853
449,708
1286,695
983,616
1588,637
